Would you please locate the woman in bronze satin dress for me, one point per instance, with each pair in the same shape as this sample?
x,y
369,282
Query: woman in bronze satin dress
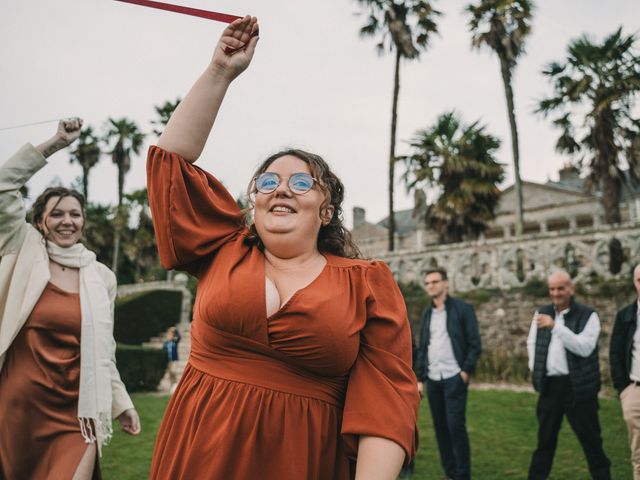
x,y
300,364
59,387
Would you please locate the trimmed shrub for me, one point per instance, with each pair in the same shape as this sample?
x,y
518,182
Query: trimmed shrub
x,y
141,368
144,315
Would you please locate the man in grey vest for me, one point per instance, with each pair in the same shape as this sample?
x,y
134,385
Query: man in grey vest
x,y
563,358
446,357
624,356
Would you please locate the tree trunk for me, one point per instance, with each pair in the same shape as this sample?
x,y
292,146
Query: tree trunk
x,y
392,151
606,163
508,92
116,239
610,199
116,248
85,183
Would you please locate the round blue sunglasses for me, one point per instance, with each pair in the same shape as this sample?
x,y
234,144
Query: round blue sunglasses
x,y
298,183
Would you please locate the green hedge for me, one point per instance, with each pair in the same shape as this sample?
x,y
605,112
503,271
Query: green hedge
x,y
141,316
141,368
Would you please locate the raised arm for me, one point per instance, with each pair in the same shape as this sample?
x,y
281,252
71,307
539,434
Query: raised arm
x,y
583,343
68,132
16,171
190,125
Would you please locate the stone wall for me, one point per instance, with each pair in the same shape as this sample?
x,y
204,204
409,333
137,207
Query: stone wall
x,y
505,319
504,263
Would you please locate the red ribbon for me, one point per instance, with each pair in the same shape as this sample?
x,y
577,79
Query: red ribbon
x,y
195,12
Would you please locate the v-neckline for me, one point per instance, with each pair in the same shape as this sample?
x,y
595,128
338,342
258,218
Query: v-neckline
x,y
283,307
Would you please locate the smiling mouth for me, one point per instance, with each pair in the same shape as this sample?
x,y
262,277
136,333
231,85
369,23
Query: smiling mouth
x,y
282,209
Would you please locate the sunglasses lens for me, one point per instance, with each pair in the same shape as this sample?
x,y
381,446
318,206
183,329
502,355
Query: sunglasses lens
x,y
301,182
267,182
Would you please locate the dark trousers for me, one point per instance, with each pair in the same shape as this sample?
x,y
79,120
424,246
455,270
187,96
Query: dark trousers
x,y
448,404
555,402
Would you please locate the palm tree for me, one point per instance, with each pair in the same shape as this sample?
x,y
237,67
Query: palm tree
x,y
594,93
164,112
140,246
99,234
402,27
503,25
458,161
86,154
128,141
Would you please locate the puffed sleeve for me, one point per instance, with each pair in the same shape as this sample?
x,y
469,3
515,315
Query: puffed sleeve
x,y
382,397
193,213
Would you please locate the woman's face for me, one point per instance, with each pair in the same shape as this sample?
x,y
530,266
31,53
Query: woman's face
x,y
282,211
63,221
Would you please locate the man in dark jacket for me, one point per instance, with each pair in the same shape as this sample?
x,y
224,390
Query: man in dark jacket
x,y
447,354
624,357
563,359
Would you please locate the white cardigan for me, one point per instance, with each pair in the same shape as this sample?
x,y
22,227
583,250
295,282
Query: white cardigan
x,y
24,269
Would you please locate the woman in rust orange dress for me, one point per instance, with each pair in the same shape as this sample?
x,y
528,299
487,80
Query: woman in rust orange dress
x,y
300,364
59,386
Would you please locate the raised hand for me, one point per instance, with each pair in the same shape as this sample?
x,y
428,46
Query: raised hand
x,y
68,132
545,321
236,47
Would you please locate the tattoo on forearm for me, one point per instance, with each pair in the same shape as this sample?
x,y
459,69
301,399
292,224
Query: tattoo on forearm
x,y
50,147
49,150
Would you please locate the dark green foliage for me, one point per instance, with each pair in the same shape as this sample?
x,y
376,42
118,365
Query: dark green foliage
x,y
141,368
128,142
594,95
141,316
140,262
405,27
458,163
502,26
86,154
164,113
139,243
98,233
416,300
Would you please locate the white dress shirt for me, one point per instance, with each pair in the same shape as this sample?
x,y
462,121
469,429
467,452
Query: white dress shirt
x,y
442,361
634,375
563,339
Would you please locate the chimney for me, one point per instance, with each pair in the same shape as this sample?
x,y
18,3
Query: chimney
x,y
569,173
358,217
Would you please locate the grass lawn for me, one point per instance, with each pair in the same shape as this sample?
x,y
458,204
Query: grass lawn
x,y
502,429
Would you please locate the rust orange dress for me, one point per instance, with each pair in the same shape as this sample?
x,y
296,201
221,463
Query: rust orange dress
x,y
280,397
39,386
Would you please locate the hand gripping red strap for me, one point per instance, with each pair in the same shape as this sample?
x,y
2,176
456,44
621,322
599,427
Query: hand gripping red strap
x,y
196,12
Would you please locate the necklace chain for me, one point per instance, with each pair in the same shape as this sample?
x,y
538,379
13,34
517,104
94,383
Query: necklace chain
x,y
62,267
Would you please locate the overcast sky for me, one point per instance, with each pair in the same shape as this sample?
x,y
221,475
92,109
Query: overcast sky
x,y
313,84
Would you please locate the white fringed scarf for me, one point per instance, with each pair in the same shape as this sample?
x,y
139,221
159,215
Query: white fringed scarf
x,y
94,402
